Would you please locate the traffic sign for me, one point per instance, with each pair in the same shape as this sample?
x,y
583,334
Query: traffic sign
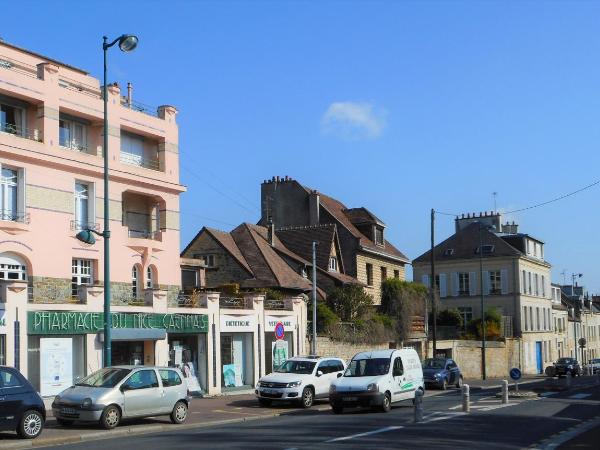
x,y
515,374
279,331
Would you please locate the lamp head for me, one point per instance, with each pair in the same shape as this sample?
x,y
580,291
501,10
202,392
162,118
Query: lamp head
x,y
86,236
128,42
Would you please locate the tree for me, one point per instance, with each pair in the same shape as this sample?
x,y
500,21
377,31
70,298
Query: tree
x,y
326,318
449,318
402,301
349,302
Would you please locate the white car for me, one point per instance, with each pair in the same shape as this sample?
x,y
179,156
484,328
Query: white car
x,y
595,365
300,379
378,379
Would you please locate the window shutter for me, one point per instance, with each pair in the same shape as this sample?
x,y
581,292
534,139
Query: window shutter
x,y
472,283
443,286
455,284
21,193
425,280
504,281
486,282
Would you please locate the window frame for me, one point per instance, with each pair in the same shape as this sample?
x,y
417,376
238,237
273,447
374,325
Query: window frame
x,y
462,276
78,274
19,129
369,270
495,280
333,266
71,124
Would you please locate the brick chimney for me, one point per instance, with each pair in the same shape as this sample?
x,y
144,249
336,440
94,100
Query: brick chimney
x,y
313,208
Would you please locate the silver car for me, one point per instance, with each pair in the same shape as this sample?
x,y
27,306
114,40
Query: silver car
x,y
124,392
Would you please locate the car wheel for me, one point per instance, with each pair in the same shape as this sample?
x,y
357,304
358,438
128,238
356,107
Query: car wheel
x,y
64,423
111,416
265,402
459,383
337,409
386,404
179,413
307,397
444,385
31,425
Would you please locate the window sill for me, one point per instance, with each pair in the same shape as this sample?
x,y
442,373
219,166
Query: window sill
x,y
14,226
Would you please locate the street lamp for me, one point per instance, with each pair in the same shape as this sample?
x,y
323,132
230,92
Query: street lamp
x,y
127,43
482,227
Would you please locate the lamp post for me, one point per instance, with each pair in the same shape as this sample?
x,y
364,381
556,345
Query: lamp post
x,y
482,227
127,43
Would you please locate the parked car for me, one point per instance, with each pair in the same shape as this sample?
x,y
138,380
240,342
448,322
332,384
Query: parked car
x,y
441,373
300,379
122,392
595,365
21,407
567,366
378,379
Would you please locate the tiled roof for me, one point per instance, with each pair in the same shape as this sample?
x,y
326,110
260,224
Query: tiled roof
x,y
226,240
299,240
362,215
464,244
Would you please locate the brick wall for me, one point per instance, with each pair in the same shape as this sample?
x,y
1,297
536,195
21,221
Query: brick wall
x,y
375,290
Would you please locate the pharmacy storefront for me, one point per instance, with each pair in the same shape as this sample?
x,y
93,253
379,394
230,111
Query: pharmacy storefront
x,y
63,346
237,350
278,350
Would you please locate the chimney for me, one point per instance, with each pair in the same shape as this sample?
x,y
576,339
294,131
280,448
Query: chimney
x,y
129,94
313,208
271,233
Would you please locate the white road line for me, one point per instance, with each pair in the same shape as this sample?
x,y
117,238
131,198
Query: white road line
x,y
565,437
368,433
580,396
549,393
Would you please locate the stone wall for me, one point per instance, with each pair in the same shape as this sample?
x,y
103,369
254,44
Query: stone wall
x,y
50,290
361,273
327,347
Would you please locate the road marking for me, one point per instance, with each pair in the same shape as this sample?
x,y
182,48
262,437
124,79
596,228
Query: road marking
x,y
235,412
549,393
579,396
567,435
368,433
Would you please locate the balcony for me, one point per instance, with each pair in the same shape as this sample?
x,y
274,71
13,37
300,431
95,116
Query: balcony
x,y
25,133
18,67
77,225
140,151
192,300
235,303
140,107
78,86
279,305
11,221
140,161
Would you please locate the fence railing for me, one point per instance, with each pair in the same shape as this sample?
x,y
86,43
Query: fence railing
x,y
78,86
193,300
77,225
14,216
143,234
18,66
232,302
140,107
16,130
135,160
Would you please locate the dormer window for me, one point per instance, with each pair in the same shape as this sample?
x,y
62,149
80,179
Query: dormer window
x,y
486,249
449,252
333,264
379,236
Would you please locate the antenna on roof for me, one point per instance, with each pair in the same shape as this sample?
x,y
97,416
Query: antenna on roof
x,y
564,274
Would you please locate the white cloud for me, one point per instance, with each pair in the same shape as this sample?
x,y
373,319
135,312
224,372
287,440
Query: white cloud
x,y
352,120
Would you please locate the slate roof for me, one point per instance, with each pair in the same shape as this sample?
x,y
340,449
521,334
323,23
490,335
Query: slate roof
x,y
226,240
464,244
299,240
337,209
362,215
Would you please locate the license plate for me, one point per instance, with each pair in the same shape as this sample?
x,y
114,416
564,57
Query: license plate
x,y
269,391
67,411
349,399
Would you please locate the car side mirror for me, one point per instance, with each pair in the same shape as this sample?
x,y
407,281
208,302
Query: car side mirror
x,y
124,388
339,375
319,373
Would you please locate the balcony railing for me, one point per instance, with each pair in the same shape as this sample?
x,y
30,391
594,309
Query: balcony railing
x,y
77,225
10,128
77,86
74,145
232,302
143,234
135,160
193,300
13,216
18,66
275,304
140,107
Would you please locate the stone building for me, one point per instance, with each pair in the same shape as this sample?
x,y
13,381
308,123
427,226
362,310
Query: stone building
x,y
364,252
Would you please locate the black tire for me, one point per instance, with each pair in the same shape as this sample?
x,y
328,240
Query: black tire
x,y
444,385
265,402
31,424
308,398
179,413
459,383
64,422
111,417
337,409
386,404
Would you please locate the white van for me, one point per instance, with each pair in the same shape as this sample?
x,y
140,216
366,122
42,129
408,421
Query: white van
x,y
378,379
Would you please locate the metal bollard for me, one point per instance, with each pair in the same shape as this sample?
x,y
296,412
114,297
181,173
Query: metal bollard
x,y
516,387
504,392
418,406
466,398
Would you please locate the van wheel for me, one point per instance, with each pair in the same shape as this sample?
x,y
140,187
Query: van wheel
x,y
386,405
308,397
179,413
459,383
31,425
264,402
111,416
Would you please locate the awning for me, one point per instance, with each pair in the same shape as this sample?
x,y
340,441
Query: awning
x,y
135,334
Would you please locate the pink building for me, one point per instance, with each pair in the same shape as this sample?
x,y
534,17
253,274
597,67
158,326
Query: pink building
x,y
51,125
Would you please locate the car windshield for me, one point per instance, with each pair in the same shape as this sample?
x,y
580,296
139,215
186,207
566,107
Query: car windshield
x,y
367,367
564,361
434,363
302,367
105,378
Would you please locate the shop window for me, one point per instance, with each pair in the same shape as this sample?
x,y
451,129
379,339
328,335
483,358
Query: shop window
x,y
81,274
12,267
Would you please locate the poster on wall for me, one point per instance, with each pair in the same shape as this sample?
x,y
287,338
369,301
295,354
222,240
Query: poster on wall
x,y
189,373
56,365
232,375
280,351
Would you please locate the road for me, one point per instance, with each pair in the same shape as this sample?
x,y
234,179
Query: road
x,y
556,419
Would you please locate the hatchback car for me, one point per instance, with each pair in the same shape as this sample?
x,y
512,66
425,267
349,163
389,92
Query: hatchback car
x,y
124,392
299,379
441,373
567,366
21,407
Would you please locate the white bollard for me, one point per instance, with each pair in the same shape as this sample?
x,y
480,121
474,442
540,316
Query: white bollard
x,y
466,398
418,405
504,392
516,387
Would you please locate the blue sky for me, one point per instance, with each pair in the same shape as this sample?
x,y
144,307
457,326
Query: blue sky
x,y
396,106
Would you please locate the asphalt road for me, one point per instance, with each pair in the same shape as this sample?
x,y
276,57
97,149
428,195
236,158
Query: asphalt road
x,y
541,422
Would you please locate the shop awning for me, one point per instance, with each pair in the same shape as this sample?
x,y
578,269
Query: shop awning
x,y
135,334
